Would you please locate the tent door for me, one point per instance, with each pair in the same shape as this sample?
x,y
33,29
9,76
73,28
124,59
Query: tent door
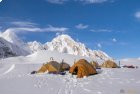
x,y
75,71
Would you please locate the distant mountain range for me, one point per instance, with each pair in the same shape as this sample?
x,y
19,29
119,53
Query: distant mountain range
x,y
12,45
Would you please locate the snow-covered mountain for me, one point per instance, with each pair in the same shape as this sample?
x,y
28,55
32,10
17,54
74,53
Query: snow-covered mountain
x,y
65,44
11,37
62,43
14,43
8,49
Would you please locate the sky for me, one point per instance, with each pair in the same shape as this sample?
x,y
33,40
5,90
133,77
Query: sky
x,y
112,26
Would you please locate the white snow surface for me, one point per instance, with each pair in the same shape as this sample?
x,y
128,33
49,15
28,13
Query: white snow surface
x,y
10,69
18,79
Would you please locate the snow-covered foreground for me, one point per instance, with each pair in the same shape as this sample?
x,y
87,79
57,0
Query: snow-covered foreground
x,y
15,77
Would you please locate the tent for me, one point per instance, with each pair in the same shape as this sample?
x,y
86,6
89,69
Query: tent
x,y
94,64
52,66
82,68
65,66
109,64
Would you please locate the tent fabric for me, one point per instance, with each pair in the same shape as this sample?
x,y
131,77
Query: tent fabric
x,y
52,66
82,68
94,64
65,66
109,64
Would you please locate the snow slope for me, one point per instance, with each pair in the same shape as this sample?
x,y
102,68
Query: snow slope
x,y
108,81
41,57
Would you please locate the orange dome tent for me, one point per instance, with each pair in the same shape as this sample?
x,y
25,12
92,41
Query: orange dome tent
x,y
82,68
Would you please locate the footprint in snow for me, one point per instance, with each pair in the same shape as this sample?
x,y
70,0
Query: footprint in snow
x,y
99,92
87,90
138,82
120,82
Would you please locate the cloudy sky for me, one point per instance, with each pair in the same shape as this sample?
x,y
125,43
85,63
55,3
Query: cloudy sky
x,y
109,25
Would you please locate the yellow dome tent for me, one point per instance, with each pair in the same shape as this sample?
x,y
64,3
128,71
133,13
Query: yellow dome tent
x,y
109,64
82,68
52,66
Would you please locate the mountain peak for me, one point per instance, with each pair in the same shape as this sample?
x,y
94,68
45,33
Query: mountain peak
x,y
63,37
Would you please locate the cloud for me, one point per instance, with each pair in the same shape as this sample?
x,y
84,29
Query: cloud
x,y
100,30
92,1
33,27
82,1
137,15
81,26
51,28
23,24
27,29
99,45
56,1
37,29
114,40
18,26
